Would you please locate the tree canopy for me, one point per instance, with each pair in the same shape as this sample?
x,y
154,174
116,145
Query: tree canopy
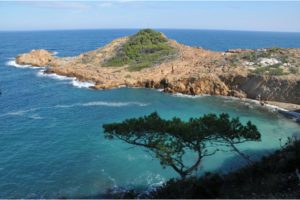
x,y
170,139
144,49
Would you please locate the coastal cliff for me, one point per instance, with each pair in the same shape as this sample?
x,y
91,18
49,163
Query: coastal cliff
x,y
149,59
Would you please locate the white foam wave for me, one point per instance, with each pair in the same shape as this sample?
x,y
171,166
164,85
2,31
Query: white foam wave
x,y
65,106
35,116
153,180
122,86
18,112
190,96
114,104
103,103
256,103
42,73
14,64
74,81
275,108
25,113
82,84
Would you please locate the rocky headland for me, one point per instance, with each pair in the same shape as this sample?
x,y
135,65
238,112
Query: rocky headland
x,y
149,59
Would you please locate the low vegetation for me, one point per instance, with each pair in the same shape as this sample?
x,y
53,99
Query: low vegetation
x,y
274,70
144,49
274,52
271,61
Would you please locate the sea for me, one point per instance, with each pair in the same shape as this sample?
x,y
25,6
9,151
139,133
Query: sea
x,y
51,138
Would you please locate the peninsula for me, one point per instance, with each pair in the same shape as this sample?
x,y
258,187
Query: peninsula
x,y
149,59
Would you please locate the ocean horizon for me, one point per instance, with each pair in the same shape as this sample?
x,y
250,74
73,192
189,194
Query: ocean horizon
x,y
158,29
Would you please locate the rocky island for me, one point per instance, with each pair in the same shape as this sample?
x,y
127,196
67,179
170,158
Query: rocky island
x,y
149,59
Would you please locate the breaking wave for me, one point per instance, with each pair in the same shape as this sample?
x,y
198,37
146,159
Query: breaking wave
x,y
14,64
82,84
190,96
103,103
42,73
72,80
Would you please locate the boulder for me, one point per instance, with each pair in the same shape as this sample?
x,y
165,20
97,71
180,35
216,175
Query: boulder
x,y
37,58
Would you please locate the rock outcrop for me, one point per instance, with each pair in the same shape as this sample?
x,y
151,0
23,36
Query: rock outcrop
x,y
266,88
192,71
36,58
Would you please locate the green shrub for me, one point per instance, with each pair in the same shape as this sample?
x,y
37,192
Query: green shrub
x,y
144,49
273,70
260,70
249,56
274,65
284,59
276,71
274,49
293,70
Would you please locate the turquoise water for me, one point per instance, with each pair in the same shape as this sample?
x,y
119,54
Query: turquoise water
x,y
51,140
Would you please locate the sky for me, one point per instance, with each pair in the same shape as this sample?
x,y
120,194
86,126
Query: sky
x,y
222,15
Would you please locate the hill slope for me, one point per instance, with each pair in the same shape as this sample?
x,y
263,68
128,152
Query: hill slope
x,y
149,59
144,49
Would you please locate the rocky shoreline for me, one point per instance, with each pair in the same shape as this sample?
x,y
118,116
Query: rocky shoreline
x,y
192,71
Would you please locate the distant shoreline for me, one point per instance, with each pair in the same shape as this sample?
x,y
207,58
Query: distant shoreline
x,y
287,109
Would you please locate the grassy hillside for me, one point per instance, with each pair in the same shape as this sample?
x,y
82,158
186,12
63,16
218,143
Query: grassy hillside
x,y
144,49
